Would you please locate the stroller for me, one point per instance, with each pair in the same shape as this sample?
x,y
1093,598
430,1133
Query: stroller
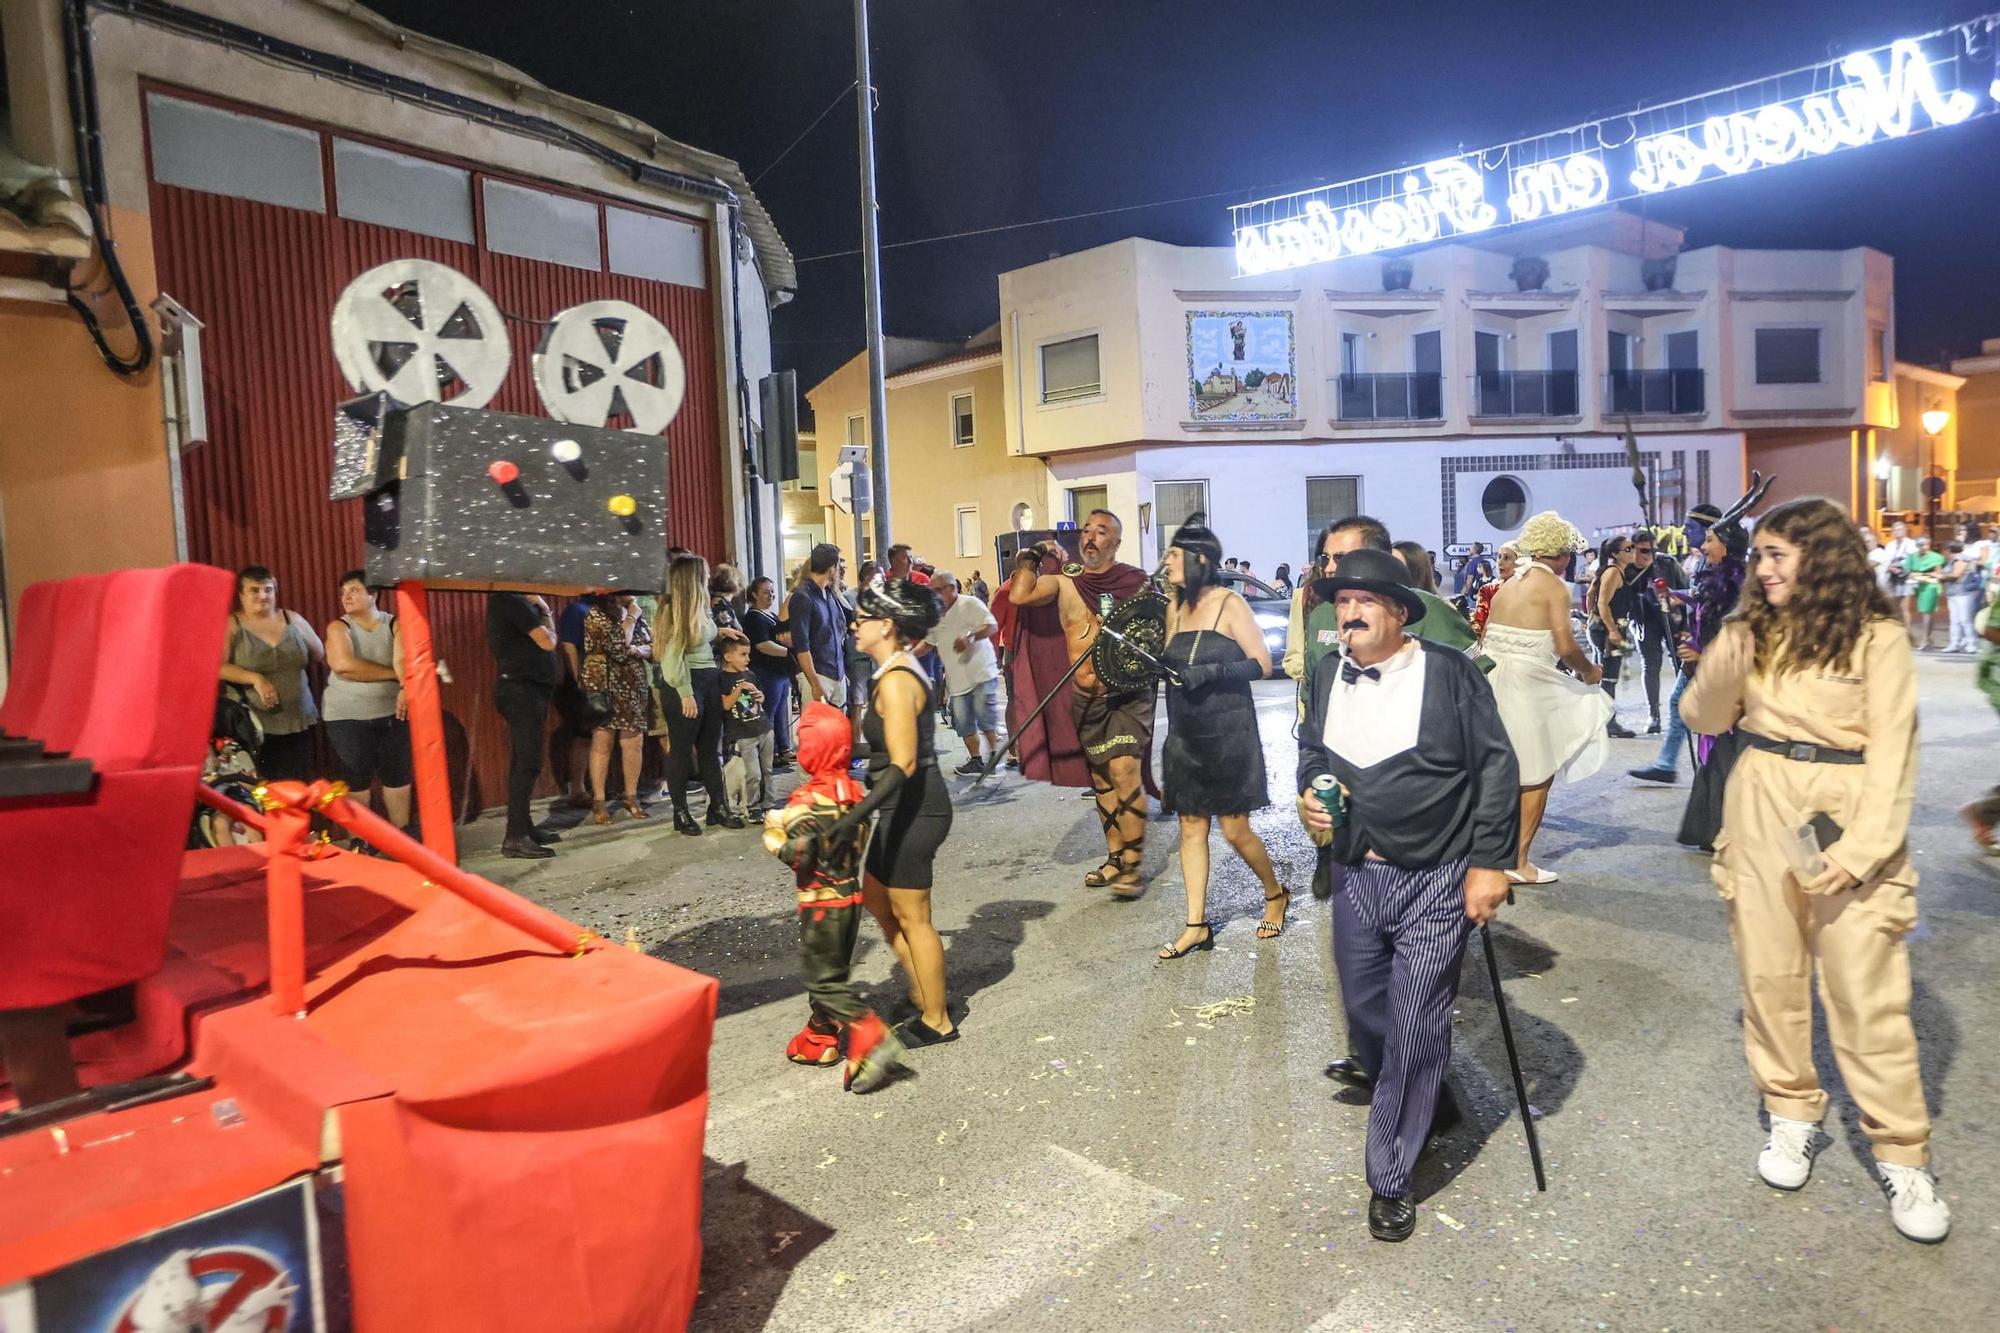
x,y
229,767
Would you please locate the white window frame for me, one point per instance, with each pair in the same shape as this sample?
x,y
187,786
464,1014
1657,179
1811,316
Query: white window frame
x,y
1819,358
1878,344
1041,386
958,514
1201,508
857,438
1360,345
951,416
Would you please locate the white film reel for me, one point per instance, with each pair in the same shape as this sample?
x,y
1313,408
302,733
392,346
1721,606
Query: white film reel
x,y
423,332
609,363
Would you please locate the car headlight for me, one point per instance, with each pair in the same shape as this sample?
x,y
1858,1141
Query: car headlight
x,y
1268,621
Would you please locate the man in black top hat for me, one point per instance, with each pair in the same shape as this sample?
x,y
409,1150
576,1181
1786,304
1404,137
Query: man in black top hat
x,y
1412,738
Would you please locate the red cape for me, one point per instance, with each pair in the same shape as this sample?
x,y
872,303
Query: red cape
x,y
1049,750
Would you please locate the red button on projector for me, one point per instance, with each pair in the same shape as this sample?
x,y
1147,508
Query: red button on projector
x,y
503,472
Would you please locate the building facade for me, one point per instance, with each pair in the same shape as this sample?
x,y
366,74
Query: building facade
x,y
1978,420
1451,392
256,158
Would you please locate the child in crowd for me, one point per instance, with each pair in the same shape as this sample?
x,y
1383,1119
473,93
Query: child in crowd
x,y
746,733
808,834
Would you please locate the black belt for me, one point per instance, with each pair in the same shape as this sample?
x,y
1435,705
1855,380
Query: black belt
x,y
1801,752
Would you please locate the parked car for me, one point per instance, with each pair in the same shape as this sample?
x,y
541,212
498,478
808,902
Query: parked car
x,y
1272,608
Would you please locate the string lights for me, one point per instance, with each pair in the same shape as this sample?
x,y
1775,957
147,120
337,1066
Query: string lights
x,y
1912,84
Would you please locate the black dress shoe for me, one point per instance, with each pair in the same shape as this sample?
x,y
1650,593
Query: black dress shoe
x,y
1348,1070
544,837
1653,774
1618,732
526,849
1653,727
684,822
1391,1217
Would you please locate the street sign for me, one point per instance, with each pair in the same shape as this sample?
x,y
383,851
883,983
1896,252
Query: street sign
x,y
859,486
840,487
1934,488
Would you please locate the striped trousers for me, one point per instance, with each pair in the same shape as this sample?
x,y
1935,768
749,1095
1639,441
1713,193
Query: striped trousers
x,y
1398,939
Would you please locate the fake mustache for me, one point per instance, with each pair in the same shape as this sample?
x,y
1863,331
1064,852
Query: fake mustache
x,y
1354,624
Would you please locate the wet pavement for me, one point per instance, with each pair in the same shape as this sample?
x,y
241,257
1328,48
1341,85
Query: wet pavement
x,y
1120,1144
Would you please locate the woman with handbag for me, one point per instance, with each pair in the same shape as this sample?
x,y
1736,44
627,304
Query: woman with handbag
x,y
683,644
613,678
268,653
1815,671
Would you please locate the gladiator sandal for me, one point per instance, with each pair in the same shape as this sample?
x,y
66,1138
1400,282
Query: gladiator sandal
x,y
814,1047
874,1053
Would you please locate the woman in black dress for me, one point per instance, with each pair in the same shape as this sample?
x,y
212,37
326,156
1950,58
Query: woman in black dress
x,y
906,786
1213,757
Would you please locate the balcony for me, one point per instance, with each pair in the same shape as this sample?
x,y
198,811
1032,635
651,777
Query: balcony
x,y
1655,393
1413,396
1525,393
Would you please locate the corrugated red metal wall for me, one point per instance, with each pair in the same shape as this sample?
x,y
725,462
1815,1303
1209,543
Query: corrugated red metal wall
x,y
264,279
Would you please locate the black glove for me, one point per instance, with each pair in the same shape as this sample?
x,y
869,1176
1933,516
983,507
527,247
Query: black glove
x,y
1199,674
802,852
887,784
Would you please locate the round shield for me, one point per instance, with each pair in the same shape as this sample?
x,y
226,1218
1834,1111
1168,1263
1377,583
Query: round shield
x,y
421,331
1142,620
610,364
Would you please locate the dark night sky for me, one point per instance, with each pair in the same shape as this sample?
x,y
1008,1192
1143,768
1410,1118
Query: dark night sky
x,y
1003,111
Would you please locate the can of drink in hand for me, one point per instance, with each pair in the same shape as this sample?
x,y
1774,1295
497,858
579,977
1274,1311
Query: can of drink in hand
x,y
1326,789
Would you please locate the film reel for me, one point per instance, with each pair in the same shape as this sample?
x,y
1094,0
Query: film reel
x,y
421,332
610,364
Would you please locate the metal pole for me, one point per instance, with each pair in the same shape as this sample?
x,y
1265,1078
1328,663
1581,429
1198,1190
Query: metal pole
x,y
871,287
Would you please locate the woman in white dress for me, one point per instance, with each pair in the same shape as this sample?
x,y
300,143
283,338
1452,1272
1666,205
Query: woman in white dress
x,y
1555,721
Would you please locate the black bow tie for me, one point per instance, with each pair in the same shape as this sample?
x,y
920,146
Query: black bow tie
x,y
1350,673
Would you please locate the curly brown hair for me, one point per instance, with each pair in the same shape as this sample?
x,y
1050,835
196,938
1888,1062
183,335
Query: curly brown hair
x,y
1834,593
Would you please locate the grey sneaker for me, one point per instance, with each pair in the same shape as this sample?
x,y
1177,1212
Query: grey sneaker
x,y
1787,1160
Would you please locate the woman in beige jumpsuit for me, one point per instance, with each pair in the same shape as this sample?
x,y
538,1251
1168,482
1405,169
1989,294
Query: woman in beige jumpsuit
x,y
1815,668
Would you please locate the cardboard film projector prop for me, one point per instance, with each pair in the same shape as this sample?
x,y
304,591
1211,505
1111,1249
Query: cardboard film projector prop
x,y
457,494
460,496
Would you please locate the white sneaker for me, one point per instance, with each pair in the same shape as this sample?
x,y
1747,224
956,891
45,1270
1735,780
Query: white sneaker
x,y
1787,1160
1914,1205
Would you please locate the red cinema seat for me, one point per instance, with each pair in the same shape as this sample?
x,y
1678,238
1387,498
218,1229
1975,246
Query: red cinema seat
x,y
29,670
73,658
86,881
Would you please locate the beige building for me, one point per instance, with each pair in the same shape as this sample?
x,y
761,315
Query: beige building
x,y
1905,451
955,484
1978,418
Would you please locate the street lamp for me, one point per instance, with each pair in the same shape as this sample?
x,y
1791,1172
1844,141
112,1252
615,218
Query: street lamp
x,y
1884,465
1935,419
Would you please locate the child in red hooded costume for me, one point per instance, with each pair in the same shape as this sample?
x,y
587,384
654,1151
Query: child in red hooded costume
x,y
809,834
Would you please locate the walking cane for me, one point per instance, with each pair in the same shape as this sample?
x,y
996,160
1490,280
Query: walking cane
x,y
1514,1061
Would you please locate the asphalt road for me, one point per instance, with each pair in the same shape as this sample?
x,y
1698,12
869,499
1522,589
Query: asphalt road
x,y
1122,1144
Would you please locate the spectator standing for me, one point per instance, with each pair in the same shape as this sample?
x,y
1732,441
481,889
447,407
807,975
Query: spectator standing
x,y
725,597
771,664
818,623
1894,568
684,642
964,644
977,587
1281,580
615,669
521,634
364,708
1611,599
1474,574
572,734
1650,567
746,734
1965,593
1921,569
269,651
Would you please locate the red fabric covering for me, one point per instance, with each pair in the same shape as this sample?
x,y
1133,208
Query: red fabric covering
x,y
29,670
86,882
521,1130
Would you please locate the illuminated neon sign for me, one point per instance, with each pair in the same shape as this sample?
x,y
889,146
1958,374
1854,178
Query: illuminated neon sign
x,y
1910,85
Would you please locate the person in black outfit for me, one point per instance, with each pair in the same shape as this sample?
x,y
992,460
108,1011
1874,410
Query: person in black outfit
x,y
1213,759
1611,603
522,636
1649,565
1410,736
905,784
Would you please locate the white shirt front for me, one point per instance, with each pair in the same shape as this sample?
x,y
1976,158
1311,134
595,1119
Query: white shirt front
x,y
1373,720
975,666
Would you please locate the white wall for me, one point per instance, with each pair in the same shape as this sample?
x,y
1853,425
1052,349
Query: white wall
x,y
1257,492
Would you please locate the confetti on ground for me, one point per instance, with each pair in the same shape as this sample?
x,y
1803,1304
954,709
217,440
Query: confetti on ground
x,y
1569,999
1450,1221
1235,1004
